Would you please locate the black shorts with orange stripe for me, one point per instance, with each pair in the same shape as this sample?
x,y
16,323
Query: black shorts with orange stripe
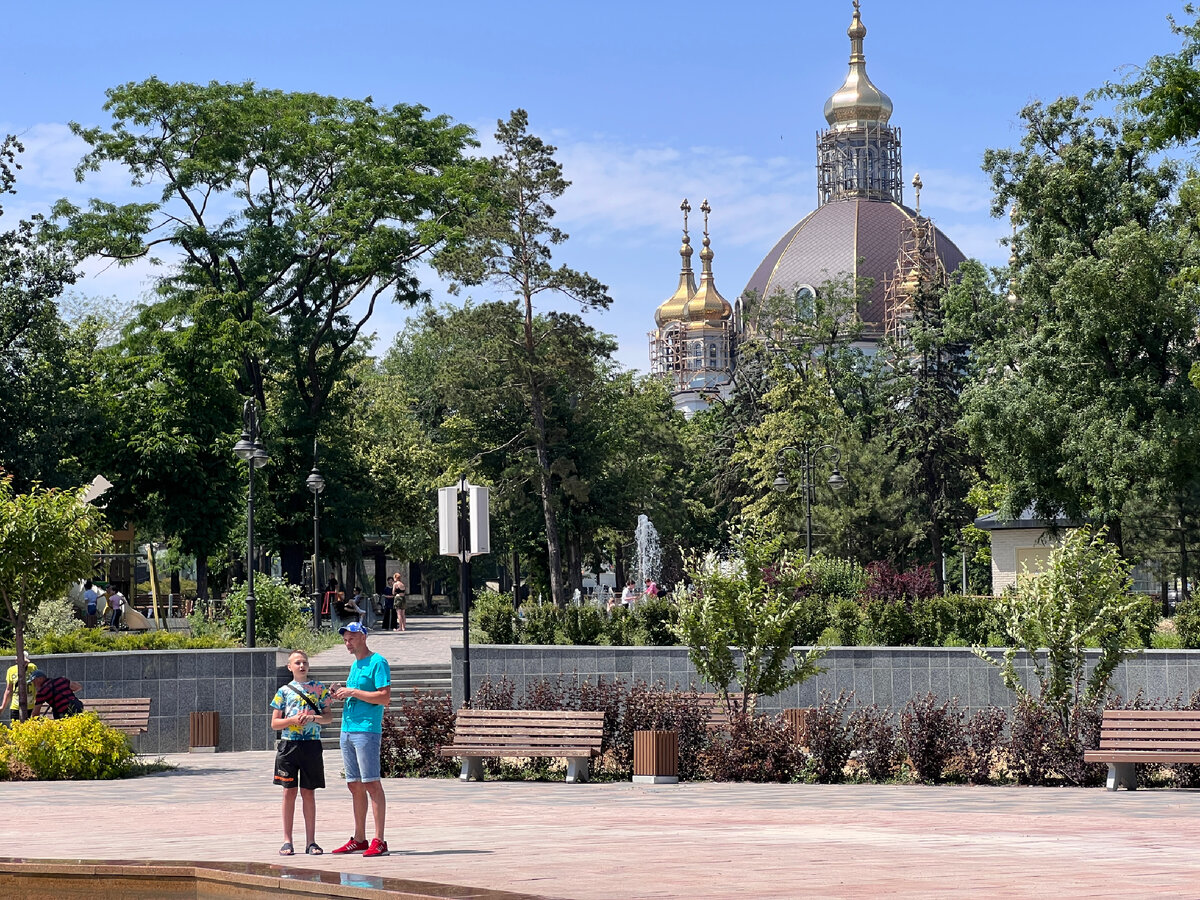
x,y
299,764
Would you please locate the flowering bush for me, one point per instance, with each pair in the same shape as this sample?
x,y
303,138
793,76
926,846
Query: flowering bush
x,y
78,747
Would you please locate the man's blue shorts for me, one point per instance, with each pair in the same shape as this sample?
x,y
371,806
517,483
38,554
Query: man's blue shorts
x,y
360,755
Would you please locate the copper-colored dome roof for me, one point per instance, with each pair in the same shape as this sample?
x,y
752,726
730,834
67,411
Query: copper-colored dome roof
x,y
845,237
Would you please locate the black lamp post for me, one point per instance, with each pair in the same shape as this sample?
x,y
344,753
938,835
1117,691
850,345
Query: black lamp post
x,y
250,449
808,455
316,484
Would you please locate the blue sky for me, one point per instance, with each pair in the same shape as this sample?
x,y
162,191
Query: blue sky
x,y
647,102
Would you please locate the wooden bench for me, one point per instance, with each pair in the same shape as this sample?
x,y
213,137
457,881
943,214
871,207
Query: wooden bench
x,y
1131,736
128,714
718,712
478,733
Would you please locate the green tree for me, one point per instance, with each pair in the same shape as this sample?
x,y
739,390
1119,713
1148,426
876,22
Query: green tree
x,y
47,538
38,355
1080,403
289,217
1080,600
512,242
739,621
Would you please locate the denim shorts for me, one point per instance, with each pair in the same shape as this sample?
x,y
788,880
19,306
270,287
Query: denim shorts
x,y
360,755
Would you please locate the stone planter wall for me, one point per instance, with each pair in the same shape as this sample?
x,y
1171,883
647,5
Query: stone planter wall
x,y
237,683
887,676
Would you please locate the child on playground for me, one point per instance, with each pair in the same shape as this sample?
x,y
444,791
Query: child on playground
x,y
298,710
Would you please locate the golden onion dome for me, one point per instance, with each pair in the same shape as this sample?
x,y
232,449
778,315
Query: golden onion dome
x,y
858,102
671,309
707,304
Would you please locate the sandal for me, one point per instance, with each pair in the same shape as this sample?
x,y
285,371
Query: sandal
x,y
287,850
314,849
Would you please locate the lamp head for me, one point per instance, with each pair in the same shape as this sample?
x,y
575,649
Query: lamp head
x,y
245,447
259,457
780,483
836,481
315,482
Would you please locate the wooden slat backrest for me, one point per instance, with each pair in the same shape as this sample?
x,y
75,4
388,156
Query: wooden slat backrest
x,y
131,714
528,728
1133,729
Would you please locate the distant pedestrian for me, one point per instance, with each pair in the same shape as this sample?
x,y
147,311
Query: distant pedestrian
x,y
399,612
330,598
91,597
12,694
116,602
628,595
58,694
651,588
367,693
298,710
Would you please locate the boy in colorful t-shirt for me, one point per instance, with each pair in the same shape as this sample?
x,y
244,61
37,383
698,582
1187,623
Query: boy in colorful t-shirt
x,y
298,710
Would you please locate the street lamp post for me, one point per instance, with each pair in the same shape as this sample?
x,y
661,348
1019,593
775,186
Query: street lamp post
x,y
250,449
316,484
808,453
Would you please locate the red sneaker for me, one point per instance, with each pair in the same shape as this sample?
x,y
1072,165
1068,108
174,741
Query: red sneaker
x,y
377,848
354,845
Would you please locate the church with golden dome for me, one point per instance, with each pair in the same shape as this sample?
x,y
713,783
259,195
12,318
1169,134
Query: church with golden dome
x,y
861,229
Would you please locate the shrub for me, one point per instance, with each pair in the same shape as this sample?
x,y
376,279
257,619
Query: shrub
x,y
812,622
885,582
539,623
277,604
88,640
1187,622
580,625
846,616
931,735
655,619
1029,743
78,747
829,737
649,708
984,743
1141,621
835,579
301,637
495,694
889,622
941,621
53,616
493,619
875,737
757,748
620,629
412,739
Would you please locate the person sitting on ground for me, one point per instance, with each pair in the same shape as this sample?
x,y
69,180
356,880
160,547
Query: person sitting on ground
x,y
56,693
298,710
354,612
12,695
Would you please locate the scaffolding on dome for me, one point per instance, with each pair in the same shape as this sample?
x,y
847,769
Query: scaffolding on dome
x,y
917,265
693,356
863,163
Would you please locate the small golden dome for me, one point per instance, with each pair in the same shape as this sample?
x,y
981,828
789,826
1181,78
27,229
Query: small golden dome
x,y
858,101
706,304
671,309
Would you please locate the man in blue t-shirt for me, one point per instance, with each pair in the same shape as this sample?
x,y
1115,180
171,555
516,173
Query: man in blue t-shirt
x,y
367,693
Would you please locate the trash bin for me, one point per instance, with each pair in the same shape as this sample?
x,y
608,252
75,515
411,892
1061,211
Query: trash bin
x,y
204,732
796,720
656,757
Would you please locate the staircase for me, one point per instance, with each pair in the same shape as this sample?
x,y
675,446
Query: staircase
x,y
428,678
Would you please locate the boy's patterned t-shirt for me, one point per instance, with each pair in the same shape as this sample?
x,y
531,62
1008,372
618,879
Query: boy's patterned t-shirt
x,y
289,701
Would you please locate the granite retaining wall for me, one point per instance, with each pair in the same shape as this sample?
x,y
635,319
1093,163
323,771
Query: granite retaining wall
x,y
887,676
237,683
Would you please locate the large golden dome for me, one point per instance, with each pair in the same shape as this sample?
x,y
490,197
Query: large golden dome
x,y
858,102
671,309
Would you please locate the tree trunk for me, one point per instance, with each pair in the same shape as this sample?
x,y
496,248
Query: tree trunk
x,y
201,576
426,585
619,563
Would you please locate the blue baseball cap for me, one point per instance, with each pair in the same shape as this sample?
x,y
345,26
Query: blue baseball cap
x,y
354,628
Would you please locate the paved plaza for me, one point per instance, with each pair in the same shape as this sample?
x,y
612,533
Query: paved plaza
x,y
622,840
595,841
